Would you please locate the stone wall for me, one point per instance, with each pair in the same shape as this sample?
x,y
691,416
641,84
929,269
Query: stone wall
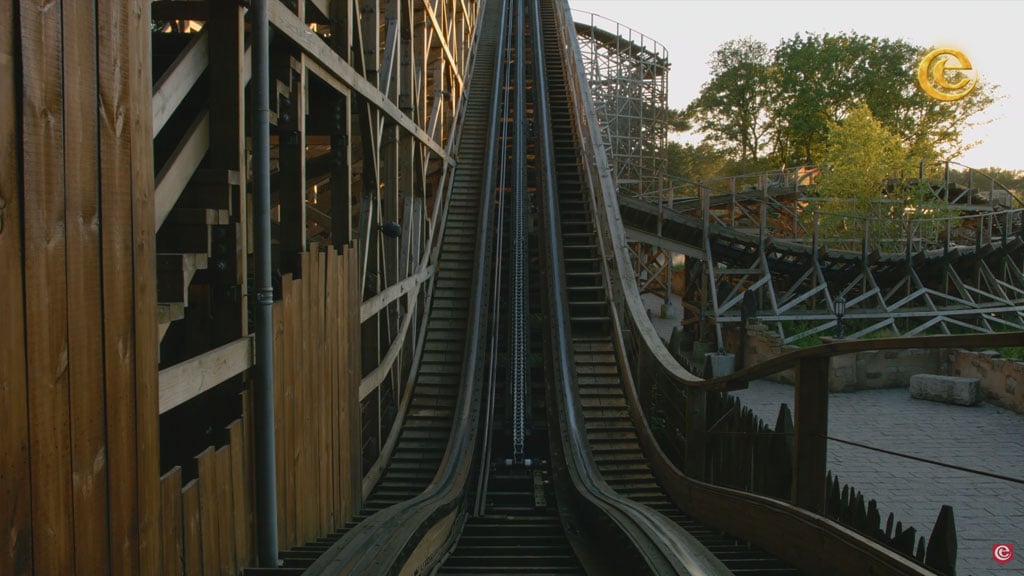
x,y
762,344
848,372
1002,379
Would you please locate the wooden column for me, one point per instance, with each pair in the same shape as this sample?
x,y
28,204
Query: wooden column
x,y
144,263
227,155
291,134
696,432
811,429
15,491
341,141
85,307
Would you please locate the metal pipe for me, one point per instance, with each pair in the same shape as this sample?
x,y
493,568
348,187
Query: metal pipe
x,y
263,393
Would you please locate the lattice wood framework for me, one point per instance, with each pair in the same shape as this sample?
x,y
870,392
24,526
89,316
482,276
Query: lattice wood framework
x,y
628,76
961,272
364,105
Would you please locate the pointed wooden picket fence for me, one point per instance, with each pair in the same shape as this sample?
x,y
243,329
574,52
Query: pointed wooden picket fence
x,y
747,454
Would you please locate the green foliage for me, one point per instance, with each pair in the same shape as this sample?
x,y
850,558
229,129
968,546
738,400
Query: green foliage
x,y
791,327
694,162
861,154
732,108
1011,352
783,102
679,120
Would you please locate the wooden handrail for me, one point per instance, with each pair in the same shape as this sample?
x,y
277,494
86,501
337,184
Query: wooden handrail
x,y
738,380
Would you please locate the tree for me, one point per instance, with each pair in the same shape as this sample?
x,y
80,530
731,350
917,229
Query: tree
x,y
732,108
782,102
694,163
679,121
861,155
820,78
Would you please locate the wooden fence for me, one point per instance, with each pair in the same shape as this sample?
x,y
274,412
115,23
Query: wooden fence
x,y
715,438
208,523
316,386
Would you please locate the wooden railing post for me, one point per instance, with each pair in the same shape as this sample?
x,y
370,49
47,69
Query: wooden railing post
x,y
696,432
810,430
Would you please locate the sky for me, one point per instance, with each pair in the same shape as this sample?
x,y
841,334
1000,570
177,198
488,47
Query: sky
x,y
988,32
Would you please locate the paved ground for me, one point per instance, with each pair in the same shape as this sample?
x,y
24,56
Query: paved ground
x,y
988,511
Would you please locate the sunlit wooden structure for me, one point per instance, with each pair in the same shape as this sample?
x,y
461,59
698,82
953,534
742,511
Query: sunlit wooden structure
x,y
128,421
126,246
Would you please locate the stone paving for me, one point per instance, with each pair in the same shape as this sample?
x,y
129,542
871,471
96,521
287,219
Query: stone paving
x,y
987,510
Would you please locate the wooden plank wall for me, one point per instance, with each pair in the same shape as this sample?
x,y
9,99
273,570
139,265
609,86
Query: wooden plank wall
x,y
79,468
208,523
80,484
316,383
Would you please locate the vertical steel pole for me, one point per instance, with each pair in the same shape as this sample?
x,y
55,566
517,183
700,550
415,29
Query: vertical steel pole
x,y
263,397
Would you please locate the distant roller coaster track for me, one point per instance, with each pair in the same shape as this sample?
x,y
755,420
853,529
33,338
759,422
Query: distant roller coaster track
x,y
760,235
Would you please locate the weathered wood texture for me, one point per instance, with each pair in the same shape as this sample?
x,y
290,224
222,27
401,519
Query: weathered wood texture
x,y
318,457
208,524
80,395
15,491
79,446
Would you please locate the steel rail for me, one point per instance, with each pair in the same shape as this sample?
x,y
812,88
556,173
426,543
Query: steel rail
x,y
518,356
492,382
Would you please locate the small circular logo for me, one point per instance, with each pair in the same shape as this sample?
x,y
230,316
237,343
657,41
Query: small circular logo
x,y
1002,553
931,75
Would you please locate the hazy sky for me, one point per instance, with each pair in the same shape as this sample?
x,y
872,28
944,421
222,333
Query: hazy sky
x,y
988,32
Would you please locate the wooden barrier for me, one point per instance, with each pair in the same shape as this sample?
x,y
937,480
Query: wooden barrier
x,y
209,524
79,453
316,383
81,398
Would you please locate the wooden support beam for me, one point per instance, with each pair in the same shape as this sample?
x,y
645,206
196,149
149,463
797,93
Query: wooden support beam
x,y
116,216
696,432
175,175
810,434
227,150
324,6
85,303
291,123
374,379
294,29
341,174
441,37
182,382
180,77
394,292
52,541
178,10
